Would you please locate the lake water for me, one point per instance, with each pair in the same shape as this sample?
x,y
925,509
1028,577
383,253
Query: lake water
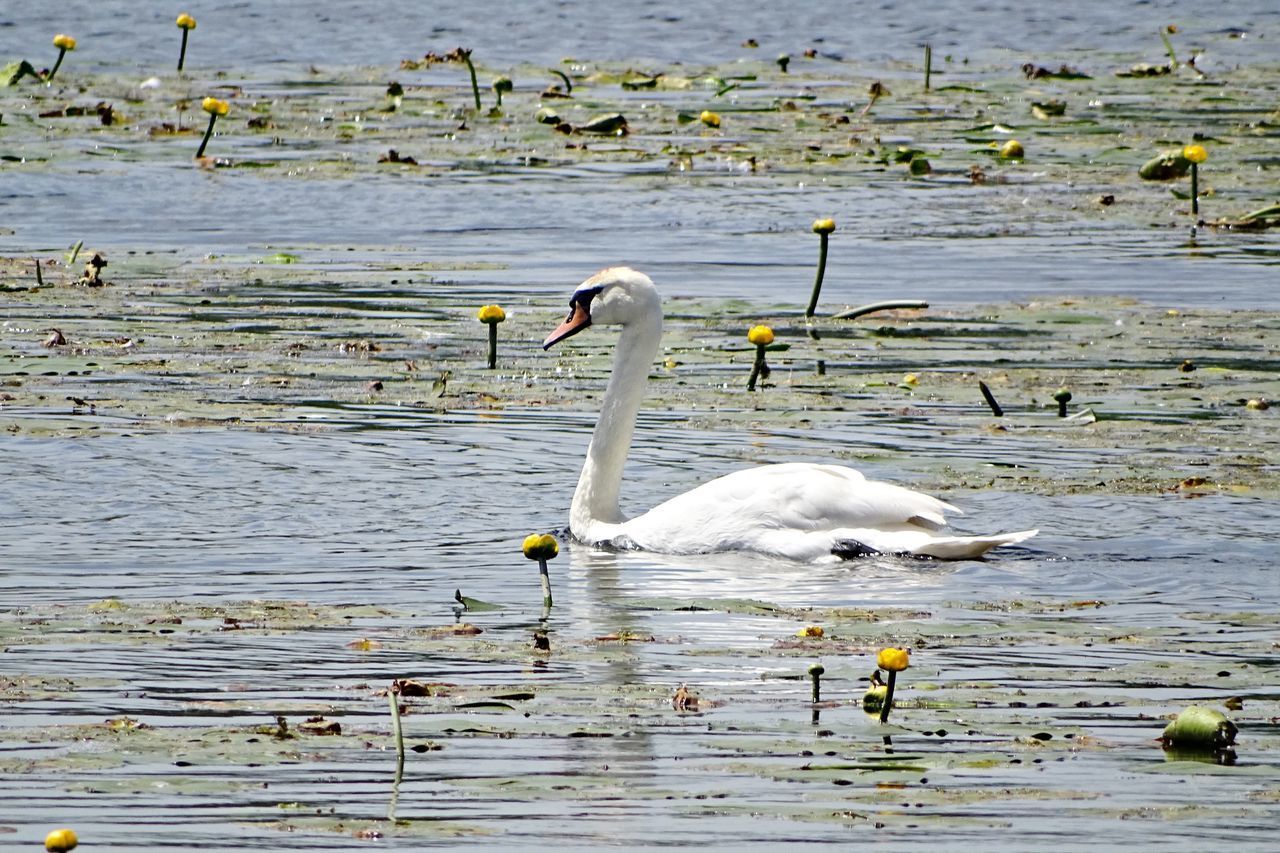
x,y
1127,607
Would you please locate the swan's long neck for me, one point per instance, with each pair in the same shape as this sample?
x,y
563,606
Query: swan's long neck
x,y
595,501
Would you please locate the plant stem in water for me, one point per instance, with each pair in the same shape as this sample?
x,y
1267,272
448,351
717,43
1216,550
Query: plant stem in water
x,y
817,282
475,86
991,399
546,583
493,345
213,118
182,53
888,697
61,53
928,65
1195,189
393,697
759,370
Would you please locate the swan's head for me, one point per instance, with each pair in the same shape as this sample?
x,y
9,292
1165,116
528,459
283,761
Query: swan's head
x,y
613,296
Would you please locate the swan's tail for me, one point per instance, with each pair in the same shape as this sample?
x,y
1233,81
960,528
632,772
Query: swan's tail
x,y
968,547
921,543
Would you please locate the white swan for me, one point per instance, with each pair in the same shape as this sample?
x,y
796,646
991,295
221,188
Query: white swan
x,y
801,511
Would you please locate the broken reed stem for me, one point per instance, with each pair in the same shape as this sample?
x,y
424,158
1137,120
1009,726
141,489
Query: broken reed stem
x,y
991,399
475,85
886,305
493,345
393,698
817,282
208,132
928,65
568,84
39,275
816,673
545,577
888,697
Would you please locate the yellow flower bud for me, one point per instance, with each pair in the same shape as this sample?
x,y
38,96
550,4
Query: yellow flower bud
x,y
761,336
709,118
60,840
1012,150
491,314
824,226
810,631
893,660
541,546
1195,153
186,22
65,42
215,107
910,379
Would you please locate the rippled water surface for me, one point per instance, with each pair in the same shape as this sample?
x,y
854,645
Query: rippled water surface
x,y
174,579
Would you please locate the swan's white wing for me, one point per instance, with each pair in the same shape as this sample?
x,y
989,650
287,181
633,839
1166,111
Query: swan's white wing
x,y
794,509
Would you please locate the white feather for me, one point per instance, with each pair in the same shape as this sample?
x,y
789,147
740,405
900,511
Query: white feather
x,y
802,511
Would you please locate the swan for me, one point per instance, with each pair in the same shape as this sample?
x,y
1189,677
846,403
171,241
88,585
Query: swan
x,y
808,512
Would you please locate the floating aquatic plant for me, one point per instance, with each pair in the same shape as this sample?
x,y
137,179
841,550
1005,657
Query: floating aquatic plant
x,y
1195,154
761,336
542,547
873,699
823,228
892,661
491,316
1199,728
214,108
63,43
186,23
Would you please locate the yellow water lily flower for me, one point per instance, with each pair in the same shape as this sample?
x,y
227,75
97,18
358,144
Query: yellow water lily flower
x,y
61,840
824,226
1195,153
810,631
541,546
214,107
893,660
64,42
761,336
1012,150
910,379
492,314
709,118
186,22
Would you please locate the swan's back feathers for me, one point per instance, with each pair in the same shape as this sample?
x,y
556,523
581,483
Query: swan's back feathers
x,y
802,511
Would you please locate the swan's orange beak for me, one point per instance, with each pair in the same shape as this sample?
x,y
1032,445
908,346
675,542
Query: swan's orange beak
x,y
579,318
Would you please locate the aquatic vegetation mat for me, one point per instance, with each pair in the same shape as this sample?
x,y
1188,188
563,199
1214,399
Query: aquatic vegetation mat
x,y
1022,714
